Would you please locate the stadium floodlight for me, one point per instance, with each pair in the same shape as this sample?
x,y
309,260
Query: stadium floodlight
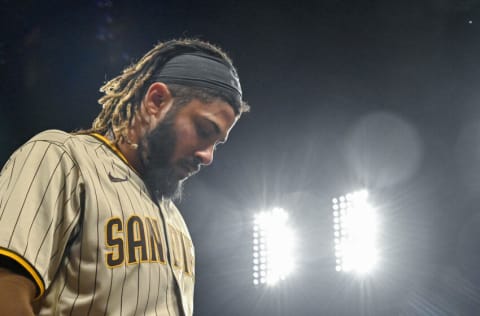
x,y
355,233
273,245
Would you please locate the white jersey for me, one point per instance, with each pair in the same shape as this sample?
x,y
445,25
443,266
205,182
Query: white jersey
x,y
79,219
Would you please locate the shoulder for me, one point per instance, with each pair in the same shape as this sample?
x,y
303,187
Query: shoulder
x,y
67,141
44,154
58,142
56,137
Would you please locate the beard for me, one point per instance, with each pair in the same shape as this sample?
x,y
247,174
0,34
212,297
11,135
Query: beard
x,y
156,151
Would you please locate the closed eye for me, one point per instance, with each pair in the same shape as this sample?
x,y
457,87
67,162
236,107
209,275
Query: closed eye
x,y
207,129
204,133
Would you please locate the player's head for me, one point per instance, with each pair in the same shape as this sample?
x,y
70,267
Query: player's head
x,y
123,94
177,92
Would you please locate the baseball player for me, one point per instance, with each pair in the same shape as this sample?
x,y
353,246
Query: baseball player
x,y
87,222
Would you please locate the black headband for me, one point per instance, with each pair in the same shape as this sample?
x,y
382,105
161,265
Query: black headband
x,y
197,69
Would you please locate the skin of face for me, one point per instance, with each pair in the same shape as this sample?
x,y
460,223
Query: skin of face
x,y
199,128
175,141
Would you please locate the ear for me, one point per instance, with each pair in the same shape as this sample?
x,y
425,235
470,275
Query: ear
x,y
157,100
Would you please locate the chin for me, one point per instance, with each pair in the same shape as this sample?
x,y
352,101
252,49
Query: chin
x,y
165,183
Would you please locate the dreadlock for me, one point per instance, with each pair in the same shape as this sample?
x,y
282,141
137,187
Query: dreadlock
x,y
123,94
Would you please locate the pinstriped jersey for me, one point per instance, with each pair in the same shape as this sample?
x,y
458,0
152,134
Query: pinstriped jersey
x,y
86,228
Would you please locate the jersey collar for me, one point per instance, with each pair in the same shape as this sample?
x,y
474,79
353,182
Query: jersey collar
x,y
114,148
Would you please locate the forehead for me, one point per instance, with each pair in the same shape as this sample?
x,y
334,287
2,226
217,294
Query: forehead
x,y
218,111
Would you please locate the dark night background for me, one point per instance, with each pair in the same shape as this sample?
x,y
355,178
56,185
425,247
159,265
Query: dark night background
x,y
345,94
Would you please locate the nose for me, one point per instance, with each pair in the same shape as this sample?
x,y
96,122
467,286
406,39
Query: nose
x,y
205,155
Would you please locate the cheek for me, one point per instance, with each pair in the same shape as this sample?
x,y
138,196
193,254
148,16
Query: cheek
x,y
184,143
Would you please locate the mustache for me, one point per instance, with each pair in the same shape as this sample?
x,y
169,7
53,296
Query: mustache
x,y
192,164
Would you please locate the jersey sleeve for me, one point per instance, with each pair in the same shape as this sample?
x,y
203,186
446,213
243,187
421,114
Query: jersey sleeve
x,y
40,207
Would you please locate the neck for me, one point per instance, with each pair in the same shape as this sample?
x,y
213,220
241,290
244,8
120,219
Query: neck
x,y
132,154
128,148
